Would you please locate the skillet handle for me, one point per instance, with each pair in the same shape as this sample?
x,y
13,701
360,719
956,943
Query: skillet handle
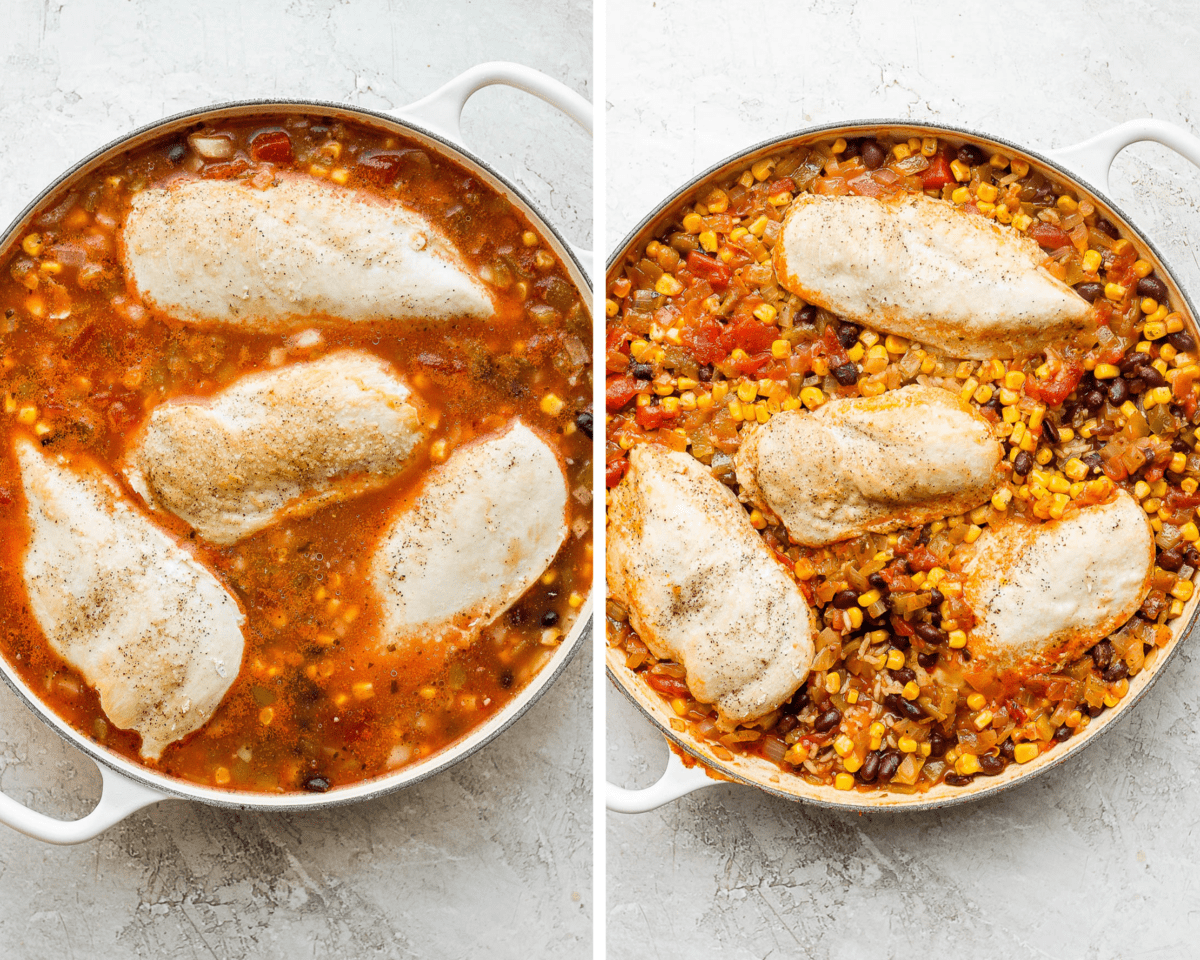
x,y
1093,158
441,112
677,781
119,798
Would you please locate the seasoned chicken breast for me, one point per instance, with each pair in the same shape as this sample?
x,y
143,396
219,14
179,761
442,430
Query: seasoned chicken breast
x,y
1043,593
277,444
137,614
703,589
926,270
479,531
223,252
874,464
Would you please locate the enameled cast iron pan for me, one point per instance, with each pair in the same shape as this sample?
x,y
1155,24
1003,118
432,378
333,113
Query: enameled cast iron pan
x,y
434,122
1084,166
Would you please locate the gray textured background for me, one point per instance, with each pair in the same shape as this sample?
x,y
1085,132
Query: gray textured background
x,y
490,859
1095,860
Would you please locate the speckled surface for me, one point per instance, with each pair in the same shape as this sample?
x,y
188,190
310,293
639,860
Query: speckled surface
x,y
1095,860
492,858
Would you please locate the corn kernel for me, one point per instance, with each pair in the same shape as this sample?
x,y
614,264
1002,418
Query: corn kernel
x,y
1091,261
902,151
1114,291
667,285
765,312
966,765
907,745
961,195
854,616
895,659
895,344
27,415
961,173
763,168
1106,371
1189,532
929,146
958,639
1001,498
708,241
796,754
552,405
868,598
1143,268
1154,330
843,781
1024,752
812,397
1076,469
1022,221
986,192
982,720
843,745
833,682
1069,204
911,691
1183,590
1174,322
781,349
852,763
221,776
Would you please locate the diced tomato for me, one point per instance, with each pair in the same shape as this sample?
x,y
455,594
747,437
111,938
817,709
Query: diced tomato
x,y
782,185
6,496
381,169
832,348
902,626
751,366
866,186
809,594
618,391
614,471
668,685
1054,391
1177,499
922,559
709,268
751,335
651,417
705,341
274,146
938,173
1048,235
226,170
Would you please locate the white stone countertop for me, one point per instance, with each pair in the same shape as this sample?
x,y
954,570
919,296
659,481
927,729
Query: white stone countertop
x,y
492,858
1097,859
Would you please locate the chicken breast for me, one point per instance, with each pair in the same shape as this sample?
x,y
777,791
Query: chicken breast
x,y
1043,593
926,270
277,444
703,589
223,252
479,531
137,614
870,465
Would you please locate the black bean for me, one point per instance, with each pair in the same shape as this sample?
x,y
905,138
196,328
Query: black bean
x,y
929,633
1182,341
928,660
549,618
1023,463
846,374
1095,461
872,154
1062,733
901,642
904,675
889,763
903,708
971,155
705,373
1008,749
1106,228
828,720
1136,385
1102,654
798,702
1171,559
879,583
957,780
506,679
177,152
1130,363
994,405
853,147
939,743
641,371
847,335
1179,445
1094,400
1152,287
1152,377
845,599
869,771
585,422
786,725
1118,392
807,316
1095,711
937,597
316,785
991,765
1089,291
1118,670
1192,556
